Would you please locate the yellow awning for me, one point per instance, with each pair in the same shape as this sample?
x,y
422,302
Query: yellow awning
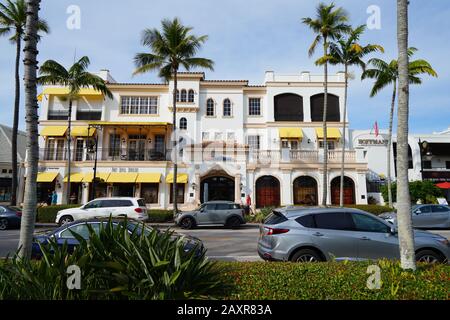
x,y
82,131
88,177
291,133
54,131
65,91
111,123
148,178
332,133
46,176
181,178
122,177
75,177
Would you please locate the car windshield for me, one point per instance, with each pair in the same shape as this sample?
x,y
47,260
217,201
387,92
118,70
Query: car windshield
x,y
414,207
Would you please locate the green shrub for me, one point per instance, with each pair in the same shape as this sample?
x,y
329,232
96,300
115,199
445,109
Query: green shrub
x,y
423,191
158,216
115,265
372,208
334,280
260,215
48,214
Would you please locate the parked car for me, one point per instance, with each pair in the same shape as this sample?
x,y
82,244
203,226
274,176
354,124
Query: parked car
x,y
9,217
425,216
104,207
225,213
323,234
64,234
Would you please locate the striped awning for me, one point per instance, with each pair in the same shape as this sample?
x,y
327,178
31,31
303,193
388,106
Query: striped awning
x,y
181,178
46,176
54,131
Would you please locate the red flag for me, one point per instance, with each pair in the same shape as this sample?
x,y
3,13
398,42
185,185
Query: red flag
x,y
376,129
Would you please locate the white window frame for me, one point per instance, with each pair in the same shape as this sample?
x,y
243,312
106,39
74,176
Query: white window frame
x,y
214,108
223,108
260,107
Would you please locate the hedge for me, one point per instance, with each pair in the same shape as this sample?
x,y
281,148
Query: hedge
x,y
48,214
158,216
372,208
334,280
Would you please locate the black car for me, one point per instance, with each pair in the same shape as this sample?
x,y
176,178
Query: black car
x,y
64,234
9,217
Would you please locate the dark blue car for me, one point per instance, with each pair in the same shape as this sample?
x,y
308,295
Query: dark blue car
x,y
9,217
64,234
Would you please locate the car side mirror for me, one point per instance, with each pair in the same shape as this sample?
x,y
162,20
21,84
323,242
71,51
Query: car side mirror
x,y
393,231
418,212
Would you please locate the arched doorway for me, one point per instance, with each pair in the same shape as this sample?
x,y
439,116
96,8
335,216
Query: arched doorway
x,y
349,190
305,191
217,188
267,192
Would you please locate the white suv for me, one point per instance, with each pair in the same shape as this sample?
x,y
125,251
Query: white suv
x,y
104,207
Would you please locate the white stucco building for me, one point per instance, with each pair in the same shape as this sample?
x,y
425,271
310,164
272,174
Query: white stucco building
x,y
237,140
429,157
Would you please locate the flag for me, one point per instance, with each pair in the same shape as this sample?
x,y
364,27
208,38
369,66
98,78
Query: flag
x,y
376,129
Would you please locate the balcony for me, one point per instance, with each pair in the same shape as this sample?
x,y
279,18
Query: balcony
x,y
104,154
336,156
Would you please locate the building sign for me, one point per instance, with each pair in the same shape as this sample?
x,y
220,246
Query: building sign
x,y
372,142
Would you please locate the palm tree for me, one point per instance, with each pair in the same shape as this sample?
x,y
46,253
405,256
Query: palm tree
x,y
171,48
13,16
329,24
405,232
31,107
386,74
348,52
75,78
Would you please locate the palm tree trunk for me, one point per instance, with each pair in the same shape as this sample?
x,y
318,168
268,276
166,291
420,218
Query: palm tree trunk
x,y
405,232
15,122
341,190
69,159
325,144
175,142
391,121
31,107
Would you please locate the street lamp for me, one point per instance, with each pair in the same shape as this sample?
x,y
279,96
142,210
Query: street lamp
x,y
424,151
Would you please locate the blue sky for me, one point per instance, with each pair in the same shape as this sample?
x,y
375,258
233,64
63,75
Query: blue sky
x,y
246,38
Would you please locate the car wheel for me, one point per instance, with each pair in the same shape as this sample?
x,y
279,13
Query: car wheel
x,y
3,224
233,222
306,255
187,223
428,256
65,219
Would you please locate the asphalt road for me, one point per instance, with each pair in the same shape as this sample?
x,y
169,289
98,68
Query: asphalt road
x,y
222,244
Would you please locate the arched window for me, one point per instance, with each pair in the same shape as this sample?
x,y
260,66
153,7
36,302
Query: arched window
x,y
183,95
333,112
288,107
210,108
178,95
191,95
183,124
227,108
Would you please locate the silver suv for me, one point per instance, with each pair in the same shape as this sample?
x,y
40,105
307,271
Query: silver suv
x,y
322,234
225,213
